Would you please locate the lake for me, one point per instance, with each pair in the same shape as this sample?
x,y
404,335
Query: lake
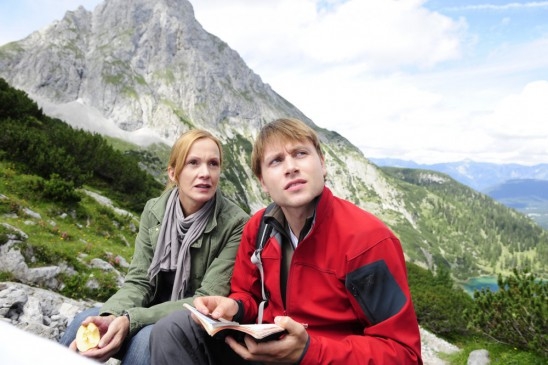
x,y
481,282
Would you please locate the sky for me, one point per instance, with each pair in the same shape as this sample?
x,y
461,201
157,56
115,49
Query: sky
x,y
428,81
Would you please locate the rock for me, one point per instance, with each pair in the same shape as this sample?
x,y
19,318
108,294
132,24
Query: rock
x,y
12,261
31,213
101,264
31,316
17,233
479,357
38,311
431,346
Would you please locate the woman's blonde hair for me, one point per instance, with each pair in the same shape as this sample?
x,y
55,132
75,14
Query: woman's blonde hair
x,y
182,145
284,129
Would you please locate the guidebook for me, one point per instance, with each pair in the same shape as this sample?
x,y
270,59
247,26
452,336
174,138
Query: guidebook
x,y
261,332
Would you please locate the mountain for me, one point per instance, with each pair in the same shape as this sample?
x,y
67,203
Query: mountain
x,y
144,72
524,188
520,188
480,176
529,196
141,72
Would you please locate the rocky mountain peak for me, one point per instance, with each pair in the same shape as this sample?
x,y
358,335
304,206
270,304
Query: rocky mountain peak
x,y
144,68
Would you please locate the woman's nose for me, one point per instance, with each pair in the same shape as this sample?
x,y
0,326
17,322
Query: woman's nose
x,y
204,170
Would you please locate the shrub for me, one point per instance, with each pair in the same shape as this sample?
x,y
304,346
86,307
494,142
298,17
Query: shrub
x,y
7,276
517,314
439,303
59,190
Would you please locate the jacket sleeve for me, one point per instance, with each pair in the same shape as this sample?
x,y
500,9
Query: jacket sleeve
x,y
136,290
376,282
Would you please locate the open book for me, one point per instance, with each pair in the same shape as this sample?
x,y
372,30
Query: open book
x,y
261,332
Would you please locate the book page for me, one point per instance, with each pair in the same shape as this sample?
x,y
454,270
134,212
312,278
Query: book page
x,y
208,320
258,331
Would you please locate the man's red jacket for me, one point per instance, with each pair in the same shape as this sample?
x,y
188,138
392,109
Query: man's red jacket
x,y
347,281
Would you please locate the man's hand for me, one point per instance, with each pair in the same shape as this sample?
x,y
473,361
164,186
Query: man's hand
x,y
114,331
217,306
288,349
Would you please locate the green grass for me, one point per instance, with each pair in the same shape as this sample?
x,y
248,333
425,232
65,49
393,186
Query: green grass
x,y
71,234
500,354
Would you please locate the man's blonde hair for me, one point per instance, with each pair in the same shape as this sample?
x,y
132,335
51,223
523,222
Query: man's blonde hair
x,y
284,129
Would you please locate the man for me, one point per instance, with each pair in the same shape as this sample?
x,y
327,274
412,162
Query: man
x,y
334,275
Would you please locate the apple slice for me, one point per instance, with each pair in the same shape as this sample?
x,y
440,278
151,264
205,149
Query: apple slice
x,y
87,337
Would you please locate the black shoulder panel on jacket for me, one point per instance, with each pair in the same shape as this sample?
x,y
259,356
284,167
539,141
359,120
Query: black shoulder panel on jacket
x,y
376,290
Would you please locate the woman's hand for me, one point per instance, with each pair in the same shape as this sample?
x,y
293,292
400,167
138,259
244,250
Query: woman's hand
x,y
113,330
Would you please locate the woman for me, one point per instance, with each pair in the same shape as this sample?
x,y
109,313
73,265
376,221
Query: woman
x,y
186,245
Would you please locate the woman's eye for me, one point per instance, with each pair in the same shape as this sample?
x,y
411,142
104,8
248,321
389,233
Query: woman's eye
x,y
192,162
214,163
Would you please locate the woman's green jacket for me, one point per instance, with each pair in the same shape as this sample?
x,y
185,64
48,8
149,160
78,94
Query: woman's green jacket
x,y
212,262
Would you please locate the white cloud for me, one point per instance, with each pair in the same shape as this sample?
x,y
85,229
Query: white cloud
x,y
522,115
396,79
376,35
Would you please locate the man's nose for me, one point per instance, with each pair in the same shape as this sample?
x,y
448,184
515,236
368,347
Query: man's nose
x,y
290,165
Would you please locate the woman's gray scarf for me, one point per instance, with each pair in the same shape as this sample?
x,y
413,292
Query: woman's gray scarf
x,y
176,235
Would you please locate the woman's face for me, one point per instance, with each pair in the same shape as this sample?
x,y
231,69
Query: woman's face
x,y
199,177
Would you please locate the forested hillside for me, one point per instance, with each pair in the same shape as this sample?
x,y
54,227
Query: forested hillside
x,y
468,230
66,158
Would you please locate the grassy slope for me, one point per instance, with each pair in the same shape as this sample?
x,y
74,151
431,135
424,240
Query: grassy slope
x,y
71,234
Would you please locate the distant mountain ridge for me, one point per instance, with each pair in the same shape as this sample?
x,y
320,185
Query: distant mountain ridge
x,y
518,188
480,176
528,196
521,187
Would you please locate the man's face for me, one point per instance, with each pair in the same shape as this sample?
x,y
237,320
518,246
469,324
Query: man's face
x,y
292,173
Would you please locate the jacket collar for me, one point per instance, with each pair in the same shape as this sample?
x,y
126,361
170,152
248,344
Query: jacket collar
x,y
276,216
